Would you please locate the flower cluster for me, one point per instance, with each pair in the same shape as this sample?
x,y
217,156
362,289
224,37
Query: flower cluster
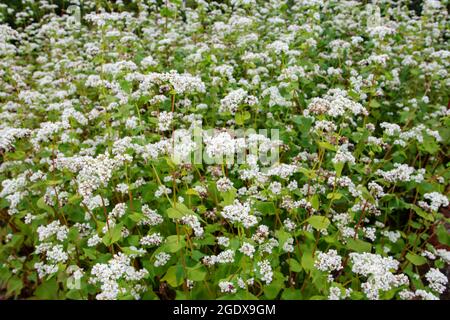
x,y
242,149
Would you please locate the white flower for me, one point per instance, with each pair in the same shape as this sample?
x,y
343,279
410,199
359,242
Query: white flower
x,y
265,270
94,240
181,83
289,225
122,188
226,256
401,172
151,217
220,145
247,249
337,293
223,241
406,294
239,213
148,62
162,190
232,100
377,270
437,200
425,295
165,120
444,254
390,129
154,239
369,233
110,274
275,187
335,103
119,210
343,155
227,287
161,259
9,135
224,184
288,245
329,261
278,47
192,221
275,97
57,254
393,236
54,228
437,280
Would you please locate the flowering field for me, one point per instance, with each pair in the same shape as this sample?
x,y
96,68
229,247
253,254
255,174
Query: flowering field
x,y
238,149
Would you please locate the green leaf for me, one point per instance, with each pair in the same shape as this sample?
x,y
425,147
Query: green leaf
x,y
282,236
53,182
178,211
271,291
245,295
319,222
374,104
170,163
196,274
90,253
48,290
174,276
239,119
359,245
326,145
315,202
228,196
353,95
166,12
266,208
307,261
136,216
129,250
309,173
295,265
338,168
429,144
291,294
443,235
17,155
303,123
75,199
192,192
422,213
366,194
174,243
174,213
14,286
150,295
113,235
334,196
319,279
317,298
42,205
415,259
74,294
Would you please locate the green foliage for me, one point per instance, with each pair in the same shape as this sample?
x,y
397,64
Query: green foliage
x,y
323,169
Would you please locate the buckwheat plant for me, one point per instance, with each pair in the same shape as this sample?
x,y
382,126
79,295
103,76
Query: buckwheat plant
x,y
241,149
